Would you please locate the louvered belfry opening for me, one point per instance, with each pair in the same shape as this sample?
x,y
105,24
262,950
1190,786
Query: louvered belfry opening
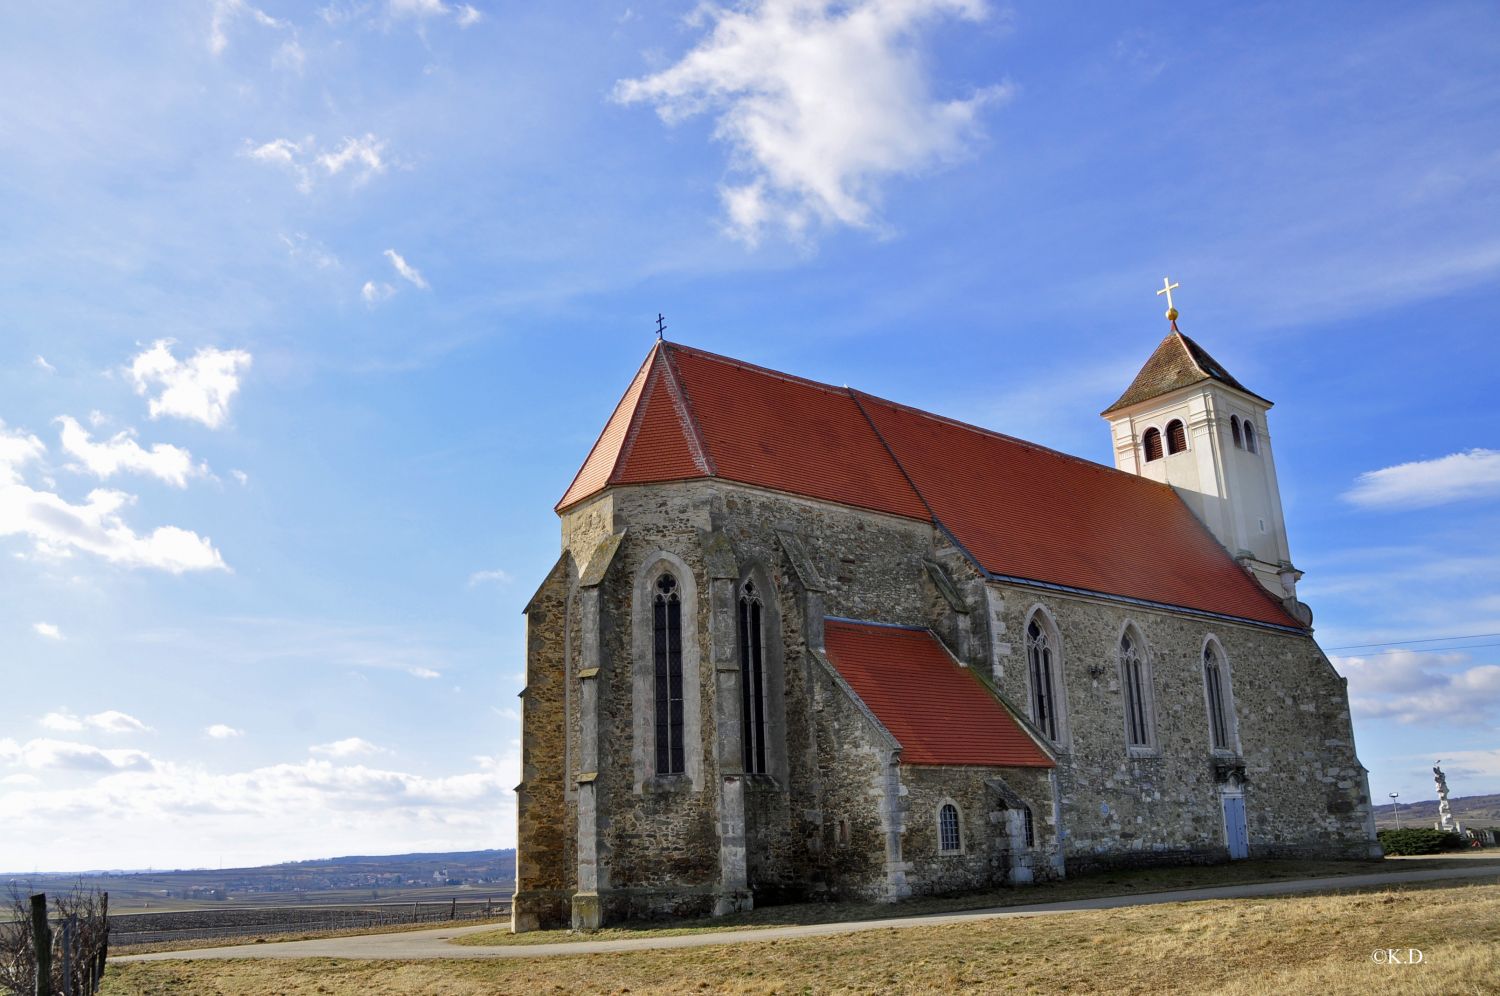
x,y
1152,443
1176,436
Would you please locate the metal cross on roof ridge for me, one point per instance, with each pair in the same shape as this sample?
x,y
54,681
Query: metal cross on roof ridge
x,y
661,324
1167,287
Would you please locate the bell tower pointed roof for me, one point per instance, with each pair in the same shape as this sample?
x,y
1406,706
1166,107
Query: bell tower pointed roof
x,y
1177,363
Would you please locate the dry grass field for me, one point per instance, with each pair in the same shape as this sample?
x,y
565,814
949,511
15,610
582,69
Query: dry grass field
x,y
1321,944
1116,883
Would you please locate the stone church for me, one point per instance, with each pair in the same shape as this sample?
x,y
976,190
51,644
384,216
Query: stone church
x,y
804,642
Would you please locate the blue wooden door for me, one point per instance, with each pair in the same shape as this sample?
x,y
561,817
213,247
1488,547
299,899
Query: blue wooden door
x,y
1235,831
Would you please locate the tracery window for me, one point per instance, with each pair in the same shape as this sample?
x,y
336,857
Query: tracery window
x,y
1214,683
752,679
1030,826
1176,436
950,840
1136,678
667,660
1040,657
1152,444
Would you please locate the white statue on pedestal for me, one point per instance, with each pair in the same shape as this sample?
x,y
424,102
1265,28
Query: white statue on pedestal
x,y
1445,814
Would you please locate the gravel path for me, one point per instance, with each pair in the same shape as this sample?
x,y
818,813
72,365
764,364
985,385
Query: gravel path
x,y
423,944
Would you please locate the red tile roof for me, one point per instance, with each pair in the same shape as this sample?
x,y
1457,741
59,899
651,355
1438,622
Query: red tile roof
x,y
939,712
1020,510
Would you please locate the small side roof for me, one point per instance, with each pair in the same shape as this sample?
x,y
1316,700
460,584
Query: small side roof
x,y
939,712
1177,363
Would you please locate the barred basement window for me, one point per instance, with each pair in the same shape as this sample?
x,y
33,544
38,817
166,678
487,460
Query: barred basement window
x,y
1030,826
752,680
1176,437
1218,706
1152,444
1234,429
1043,691
949,840
1136,679
667,658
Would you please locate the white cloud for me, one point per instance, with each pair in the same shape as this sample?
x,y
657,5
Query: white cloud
x,y
1415,688
348,747
241,476
421,10
408,272
499,576
58,528
222,731
362,157
17,449
289,57
819,103
159,811
226,11
42,364
301,248
1424,483
49,630
20,779
423,672
121,452
374,293
199,388
61,721
109,721
66,755
363,154
114,721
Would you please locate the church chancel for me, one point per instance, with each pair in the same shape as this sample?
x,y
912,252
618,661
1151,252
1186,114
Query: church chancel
x,y
806,642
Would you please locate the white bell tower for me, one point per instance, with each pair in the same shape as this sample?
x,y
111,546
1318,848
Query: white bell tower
x,y
1186,422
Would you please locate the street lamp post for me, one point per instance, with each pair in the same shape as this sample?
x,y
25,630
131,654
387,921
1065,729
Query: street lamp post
x,y
1396,808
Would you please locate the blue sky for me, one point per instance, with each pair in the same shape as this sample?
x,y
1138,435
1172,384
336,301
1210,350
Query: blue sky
x,y
310,315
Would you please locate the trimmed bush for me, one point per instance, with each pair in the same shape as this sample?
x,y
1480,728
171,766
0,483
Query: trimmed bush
x,y
1419,840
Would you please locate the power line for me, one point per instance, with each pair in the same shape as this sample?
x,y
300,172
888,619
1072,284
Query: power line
x,y
1403,643
1427,650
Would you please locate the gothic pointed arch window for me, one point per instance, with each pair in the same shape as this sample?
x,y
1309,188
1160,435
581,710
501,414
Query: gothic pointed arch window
x,y
666,633
1216,689
753,679
950,830
1234,430
1135,680
1151,443
1044,676
1176,436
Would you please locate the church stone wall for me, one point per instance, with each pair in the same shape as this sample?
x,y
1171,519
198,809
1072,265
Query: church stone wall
x,y
544,867
659,844
1305,793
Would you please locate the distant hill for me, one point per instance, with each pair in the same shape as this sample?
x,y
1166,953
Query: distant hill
x,y
1476,810
361,878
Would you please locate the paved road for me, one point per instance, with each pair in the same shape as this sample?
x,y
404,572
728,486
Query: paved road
x,y
419,944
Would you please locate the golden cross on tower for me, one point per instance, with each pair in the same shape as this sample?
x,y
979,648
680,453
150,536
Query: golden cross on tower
x,y
1167,287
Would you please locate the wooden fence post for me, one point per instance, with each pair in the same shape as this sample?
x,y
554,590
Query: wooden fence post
x,y
68,931
41,936
453,910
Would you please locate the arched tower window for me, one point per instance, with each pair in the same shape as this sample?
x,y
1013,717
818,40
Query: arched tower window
x,y
1250,443
1135,677
1234,430
1041,659
752,679
950,838
1216,687
1176,436
667,660
1152,444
